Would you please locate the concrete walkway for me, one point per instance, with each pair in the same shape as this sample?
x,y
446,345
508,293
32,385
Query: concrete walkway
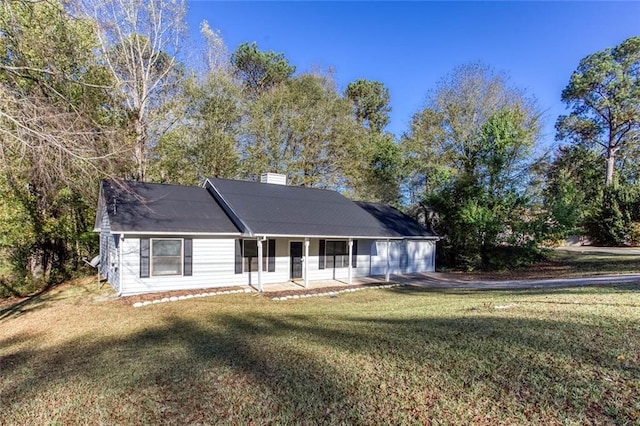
x,y
316,285
442,281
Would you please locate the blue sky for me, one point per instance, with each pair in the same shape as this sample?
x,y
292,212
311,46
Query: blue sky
x,y
409,46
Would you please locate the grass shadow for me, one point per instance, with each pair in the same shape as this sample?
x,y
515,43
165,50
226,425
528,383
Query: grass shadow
x,y
336,369
24,305
40,299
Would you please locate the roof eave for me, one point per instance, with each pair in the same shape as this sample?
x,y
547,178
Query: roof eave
x,y
360,237
194,233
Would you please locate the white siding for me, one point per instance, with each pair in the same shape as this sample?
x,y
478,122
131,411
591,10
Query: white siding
x,y
406,257
214,264
280,275
109,255
363,264
379,257
422,256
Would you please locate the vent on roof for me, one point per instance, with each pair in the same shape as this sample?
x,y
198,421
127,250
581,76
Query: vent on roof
x,y
274,178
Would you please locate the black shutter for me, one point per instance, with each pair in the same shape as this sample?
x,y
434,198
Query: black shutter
x,y
144,257
354,254
321,255
188,257
271,267
238,256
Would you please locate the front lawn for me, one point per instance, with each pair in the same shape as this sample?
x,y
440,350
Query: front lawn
x,y
563,263
594,262
395,356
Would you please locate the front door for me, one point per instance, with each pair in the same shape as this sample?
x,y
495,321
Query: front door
x,y
295,249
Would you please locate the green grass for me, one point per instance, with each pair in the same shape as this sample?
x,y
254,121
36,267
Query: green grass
x,y
401,356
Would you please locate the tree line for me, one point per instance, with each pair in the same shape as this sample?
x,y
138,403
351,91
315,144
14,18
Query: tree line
x,y
106,88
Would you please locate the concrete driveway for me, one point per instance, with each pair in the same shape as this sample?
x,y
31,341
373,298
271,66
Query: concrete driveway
x,y
604,250
436,280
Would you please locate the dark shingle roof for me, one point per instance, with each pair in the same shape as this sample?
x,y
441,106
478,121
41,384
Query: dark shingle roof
x,y
394,221
268,209
150,207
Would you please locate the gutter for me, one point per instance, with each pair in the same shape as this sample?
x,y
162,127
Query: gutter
x,y
179,233
359,237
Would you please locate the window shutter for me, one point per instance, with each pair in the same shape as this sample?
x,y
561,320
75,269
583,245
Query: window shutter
x,y
188,257
354,254
271,267
321,255
238,256
144,257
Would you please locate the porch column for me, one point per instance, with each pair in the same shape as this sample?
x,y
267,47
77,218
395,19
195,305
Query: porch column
x,y
386,278
349,263
259,265
306,262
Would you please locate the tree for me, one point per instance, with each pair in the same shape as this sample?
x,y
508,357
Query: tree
x,y
370,103
300,128
609,223
258,70
375,169
205,145
57,124
572,190
216,55
381,169
140,43
469,152
604,97
204,142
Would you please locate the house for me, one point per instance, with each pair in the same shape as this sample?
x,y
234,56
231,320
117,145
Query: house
x,y
157,237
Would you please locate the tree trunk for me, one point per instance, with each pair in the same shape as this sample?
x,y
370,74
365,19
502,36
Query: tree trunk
x,y
140,148
612,151
611,160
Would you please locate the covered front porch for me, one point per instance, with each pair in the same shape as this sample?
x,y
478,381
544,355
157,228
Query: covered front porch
x,y
312,262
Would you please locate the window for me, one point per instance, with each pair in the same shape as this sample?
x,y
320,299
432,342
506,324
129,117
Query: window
x,y
166,257
337,254
250,256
